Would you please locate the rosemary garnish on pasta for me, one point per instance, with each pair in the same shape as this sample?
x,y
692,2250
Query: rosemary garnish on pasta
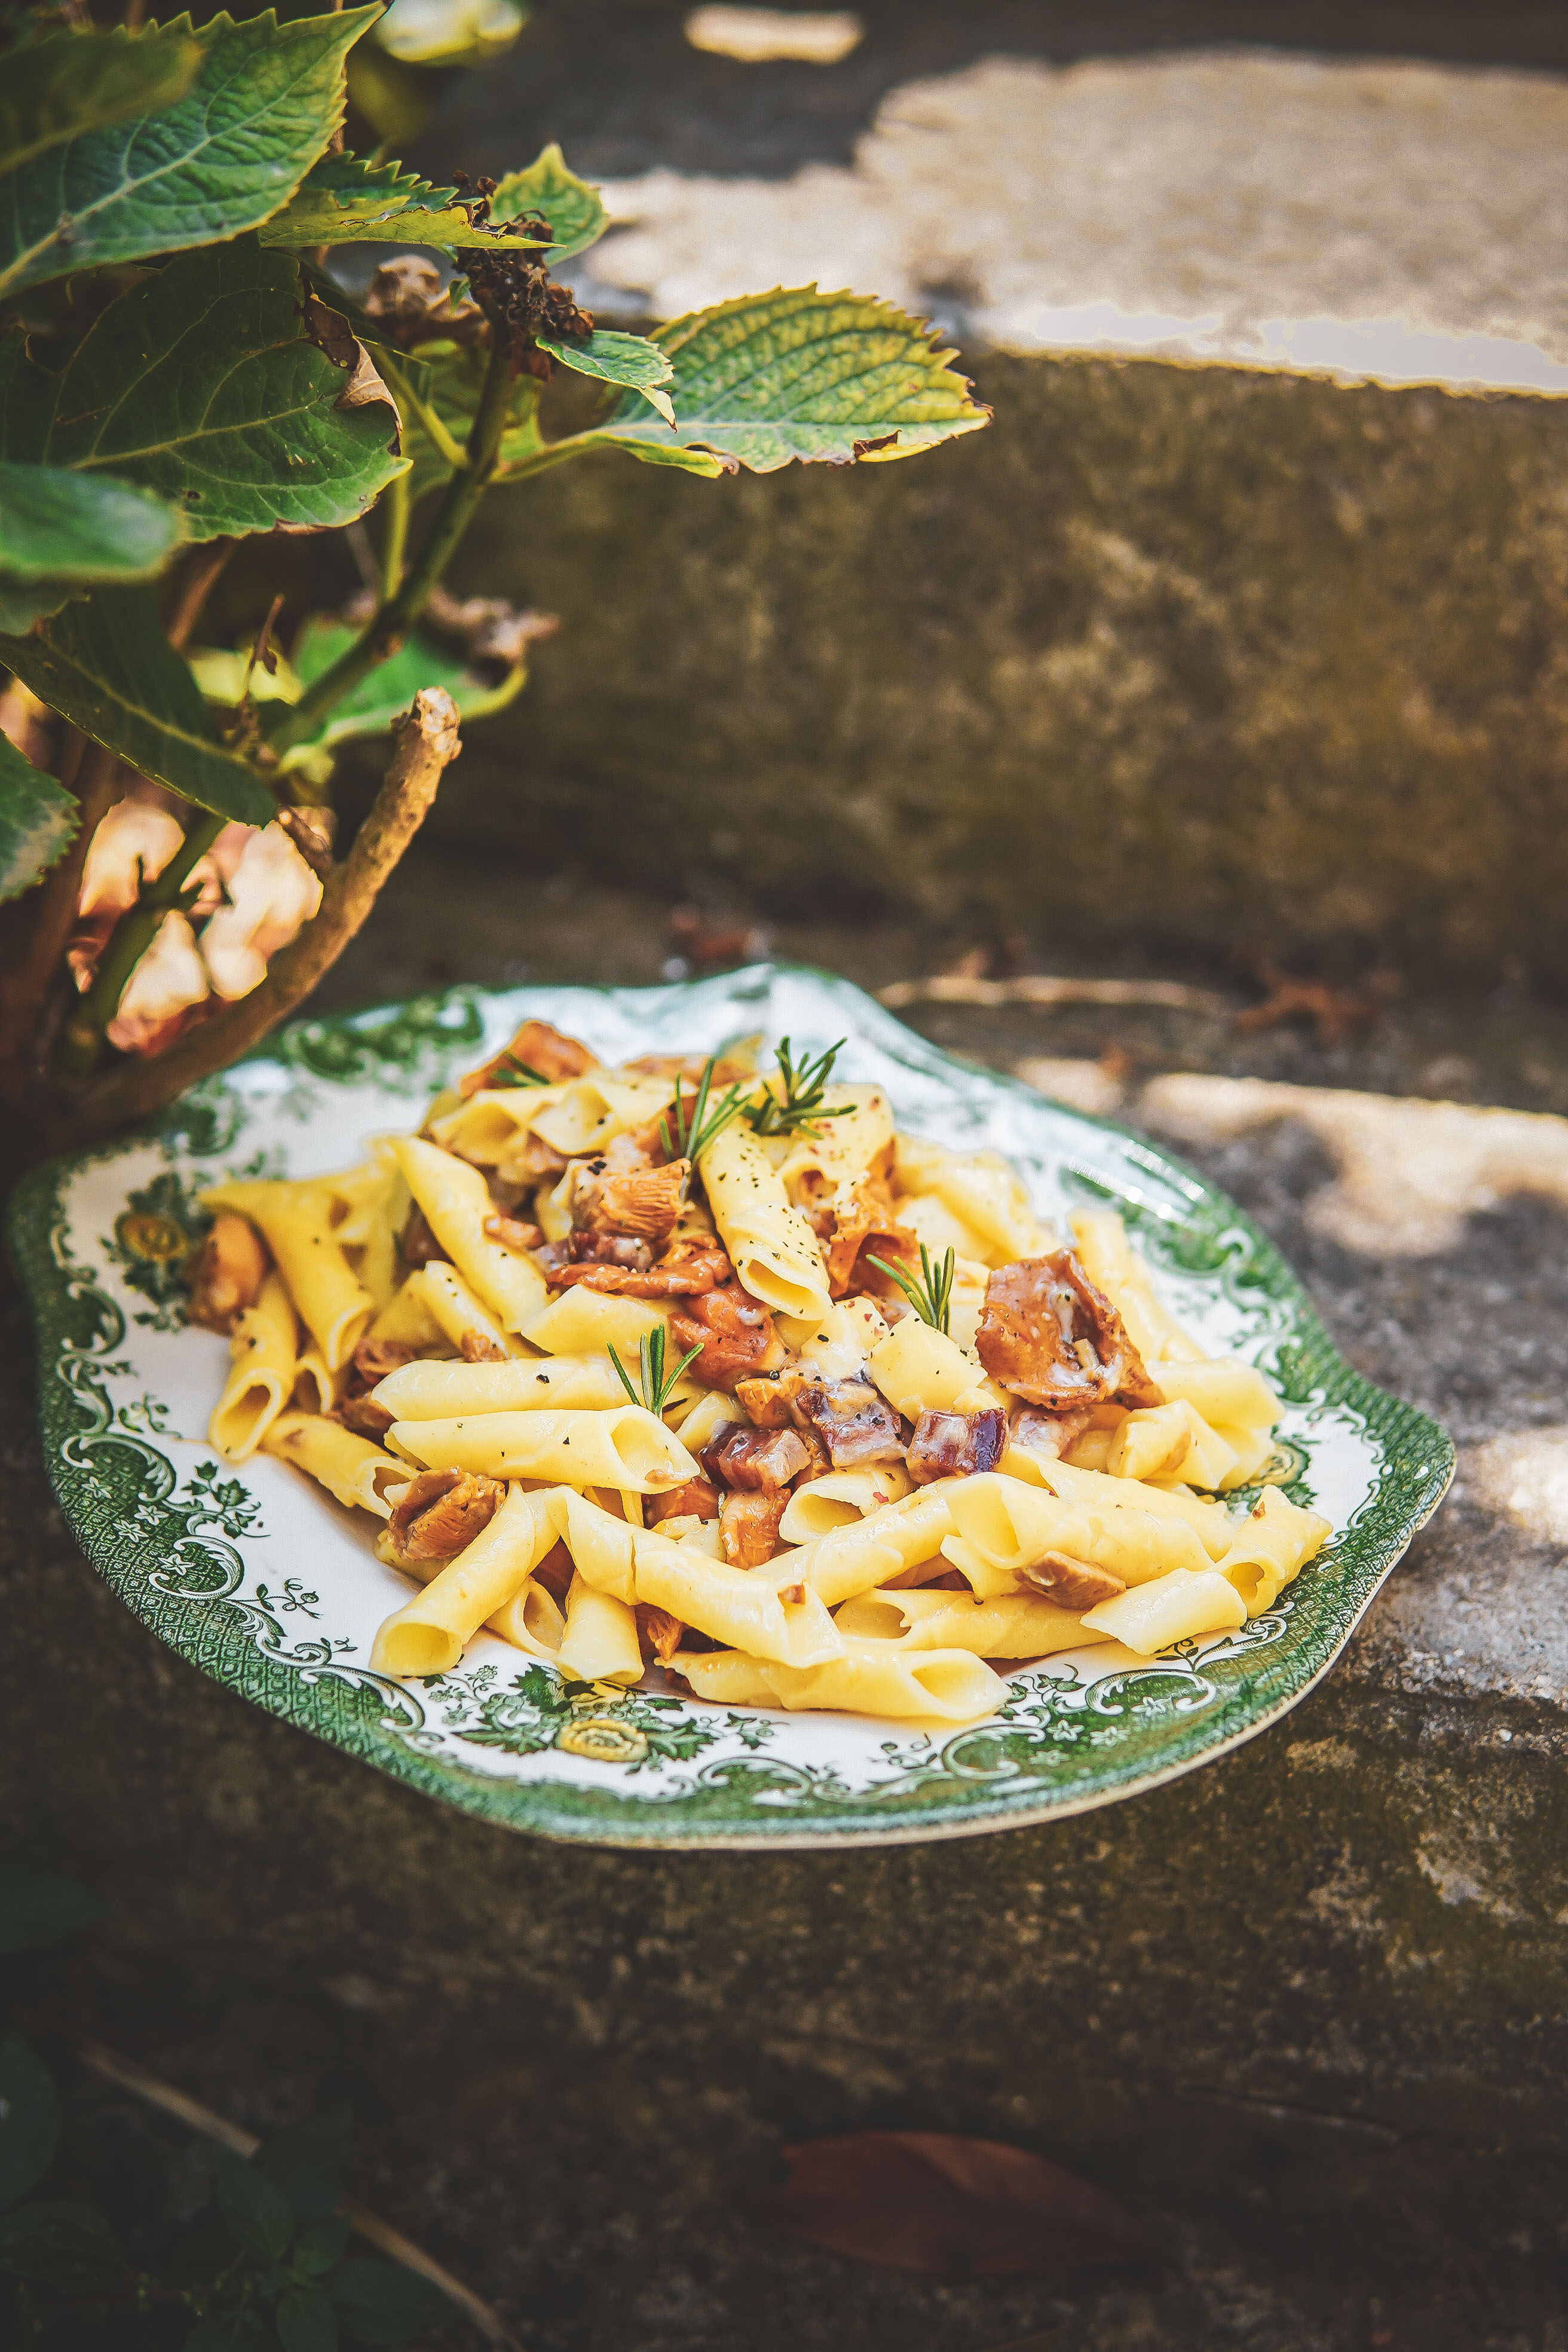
x,y
518,1073
656,1384
695,1130
932,1297
796,1110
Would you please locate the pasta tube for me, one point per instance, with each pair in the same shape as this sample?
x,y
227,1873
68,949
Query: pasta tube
x,y
589,1322
315,1388
1228,1394
1009,1625
457,1313
407,1319
530,1620
844,1339
875,1550
1272,1547
425,1391
373,1202
600,1643
1211,1522
842,1499
1107,1257
599,1543
456,1201
920,1370
1172,1440
627,1448
347,1466
296,1223
744,1607
871,1678
429,1633
823,1165
489,1124
263,1351
770,1247
983,1191
591,1111
1004,1527
1173,1608
711,1413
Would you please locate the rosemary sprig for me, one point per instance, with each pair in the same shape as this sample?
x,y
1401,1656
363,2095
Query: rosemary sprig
x,y
798,1108
694,1131
657,1385
520,1074
931,1297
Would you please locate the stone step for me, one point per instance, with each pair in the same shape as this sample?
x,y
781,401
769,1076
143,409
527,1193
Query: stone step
x,y
1239,620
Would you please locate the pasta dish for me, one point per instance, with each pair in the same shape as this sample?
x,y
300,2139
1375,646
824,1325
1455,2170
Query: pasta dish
x,y
697,1368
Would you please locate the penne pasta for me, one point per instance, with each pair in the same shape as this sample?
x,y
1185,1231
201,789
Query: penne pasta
x,y
842,1499
296,1222
1002,1527
1107,1257
347,1466
601,1545
600,1642
1173,1441
429,1633
456,1204
770,1247
761,1611
530,1620
871,1678
1272,1547
872,1551
982,1191
921,1370
1226,1393
1177,1607
426,1392
1211,1522
263,1351
626,1448
842,1150
1009,1625
406,1321
587,1323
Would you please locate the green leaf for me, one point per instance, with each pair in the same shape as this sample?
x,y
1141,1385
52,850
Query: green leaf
x,y
450,32
38,823
202,385
22,608
307,2322
574,210
382,2303
29,2119
629,360
310,2160
60,2243
58,525
55,89
255,2208
345,199
372,705
106,666
319,2246
224,159
827,378
39,1906
228,2331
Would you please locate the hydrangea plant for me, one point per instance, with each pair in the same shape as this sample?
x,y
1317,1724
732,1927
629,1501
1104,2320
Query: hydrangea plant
x,y
181,371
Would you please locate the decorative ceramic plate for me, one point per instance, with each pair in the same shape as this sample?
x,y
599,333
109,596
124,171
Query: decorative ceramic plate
x,y
267,1585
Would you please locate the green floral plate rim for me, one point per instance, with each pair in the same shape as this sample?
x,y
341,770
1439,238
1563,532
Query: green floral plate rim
x,y
273,1591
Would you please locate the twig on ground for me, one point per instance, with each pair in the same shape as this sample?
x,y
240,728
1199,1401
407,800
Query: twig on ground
x,y
1039,988
428,743
129,2076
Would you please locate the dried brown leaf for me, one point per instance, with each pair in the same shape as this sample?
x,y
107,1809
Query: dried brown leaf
x,y
949,2207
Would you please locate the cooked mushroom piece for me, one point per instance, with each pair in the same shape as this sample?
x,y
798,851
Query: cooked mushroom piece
x,y
957,1444
1048,1335
1071,1583
698,1499
760,1461
440,1512
735,1334
749,1528
852,1421
228,1273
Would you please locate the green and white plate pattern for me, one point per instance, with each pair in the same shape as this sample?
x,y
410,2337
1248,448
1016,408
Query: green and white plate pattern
x,y
267,1585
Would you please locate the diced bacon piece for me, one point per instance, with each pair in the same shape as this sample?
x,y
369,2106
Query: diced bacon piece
x,y
698,1499
441,1511
1048,1335
538,1047
957,1444
759,1461
749,1527
735,1334
1050,1436
852,1421
1072,1583
228,1273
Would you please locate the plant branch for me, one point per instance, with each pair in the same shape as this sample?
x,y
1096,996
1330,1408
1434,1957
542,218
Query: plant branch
x,y
199,576
428,742
446,443
396,616
126,2075
394,538
1037,988
93,775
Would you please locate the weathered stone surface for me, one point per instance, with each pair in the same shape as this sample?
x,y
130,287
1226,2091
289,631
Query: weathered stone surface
x,y
1178,652
1303,2011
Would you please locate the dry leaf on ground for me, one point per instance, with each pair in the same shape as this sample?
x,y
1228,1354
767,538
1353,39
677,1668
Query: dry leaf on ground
x,y
952,2207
